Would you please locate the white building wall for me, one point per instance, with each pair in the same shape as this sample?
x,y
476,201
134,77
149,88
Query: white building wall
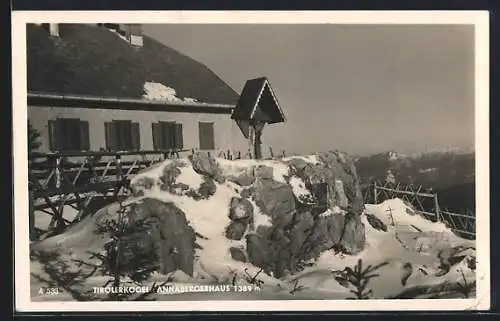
x,y
227,135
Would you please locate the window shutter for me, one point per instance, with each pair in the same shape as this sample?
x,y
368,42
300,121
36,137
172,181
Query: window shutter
x,y
168,132
201,134
53,141
206,133
136,136
84,135
171,135
110,133
123,134
126,138
157,137
179,143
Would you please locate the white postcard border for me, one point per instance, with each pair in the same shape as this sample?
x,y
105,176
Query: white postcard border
x,y
19,73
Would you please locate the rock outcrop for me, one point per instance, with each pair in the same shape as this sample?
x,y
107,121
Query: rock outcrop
x,y
171,235
206,165
300,231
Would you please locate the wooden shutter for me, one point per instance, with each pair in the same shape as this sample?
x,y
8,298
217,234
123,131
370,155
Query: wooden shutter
x,y
168,134
179,141
157,136
84,135
53,138
123,134
110,133
206,133
136,136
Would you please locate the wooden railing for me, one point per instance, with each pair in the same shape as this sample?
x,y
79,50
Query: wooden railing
x,y
73,179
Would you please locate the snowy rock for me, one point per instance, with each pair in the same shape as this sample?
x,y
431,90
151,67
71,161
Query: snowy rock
x,y
206,165
237,254
258,253
243,178
207,188
246,192
337,170
330,229
240,209
264,172
303,242
275,199
141,184
235,230
172,235
169,174
268,250
353,238
342,200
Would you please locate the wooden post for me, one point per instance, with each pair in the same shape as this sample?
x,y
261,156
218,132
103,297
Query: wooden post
x,y
255,139
31,213
257,145
375,192
58,172
57,217
118,160
436,205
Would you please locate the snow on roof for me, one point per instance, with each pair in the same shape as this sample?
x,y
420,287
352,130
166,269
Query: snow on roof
x,y
158,91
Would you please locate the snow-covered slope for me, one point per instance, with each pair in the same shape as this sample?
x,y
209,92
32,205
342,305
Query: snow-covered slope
x,y
428,255
418,258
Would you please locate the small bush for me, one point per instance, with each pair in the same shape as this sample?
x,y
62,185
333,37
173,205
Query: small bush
x,y
359,279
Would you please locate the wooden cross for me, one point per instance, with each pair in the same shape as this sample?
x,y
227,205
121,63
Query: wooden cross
x,y
389,209
255,138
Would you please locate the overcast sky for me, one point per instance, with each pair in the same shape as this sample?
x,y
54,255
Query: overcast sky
x,y
357,88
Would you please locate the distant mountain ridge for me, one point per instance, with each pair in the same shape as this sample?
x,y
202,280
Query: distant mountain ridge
x,y
91,60
450,173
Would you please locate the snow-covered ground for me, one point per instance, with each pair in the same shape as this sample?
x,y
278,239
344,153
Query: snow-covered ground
x,y
418,257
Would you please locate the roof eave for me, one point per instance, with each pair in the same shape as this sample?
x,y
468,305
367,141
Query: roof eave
x,y
126,103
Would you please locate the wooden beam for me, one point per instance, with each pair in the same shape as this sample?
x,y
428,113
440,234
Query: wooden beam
x,y
42,207
88,102
36,155
78,189
458,215
405,192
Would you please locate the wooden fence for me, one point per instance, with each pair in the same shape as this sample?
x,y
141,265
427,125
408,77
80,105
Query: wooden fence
x,y
237,154
424,202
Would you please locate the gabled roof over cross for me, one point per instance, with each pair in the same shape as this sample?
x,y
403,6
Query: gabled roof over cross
x,y
257,102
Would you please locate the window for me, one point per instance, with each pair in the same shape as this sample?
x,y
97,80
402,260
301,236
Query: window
x,y
206,132
167,135
68,134
122,135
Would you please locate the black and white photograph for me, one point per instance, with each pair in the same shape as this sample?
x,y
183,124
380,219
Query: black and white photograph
x,y
258,161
